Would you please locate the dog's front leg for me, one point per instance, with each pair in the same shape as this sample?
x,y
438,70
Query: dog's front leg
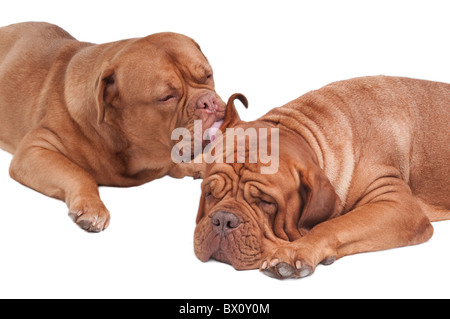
x,y
387,217
40,165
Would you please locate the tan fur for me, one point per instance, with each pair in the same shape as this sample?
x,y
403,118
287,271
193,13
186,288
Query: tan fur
x,y
77,114
380,142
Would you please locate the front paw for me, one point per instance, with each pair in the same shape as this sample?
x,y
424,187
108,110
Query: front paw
x,y
90,215
280,268
292,261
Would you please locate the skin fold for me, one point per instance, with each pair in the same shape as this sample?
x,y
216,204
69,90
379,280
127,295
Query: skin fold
x,y
363,166
77,115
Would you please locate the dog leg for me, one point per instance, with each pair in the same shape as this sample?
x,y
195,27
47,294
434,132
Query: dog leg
x,y
390,217
39,165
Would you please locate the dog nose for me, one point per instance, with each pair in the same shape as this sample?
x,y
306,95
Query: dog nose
x,y
224,223
207,102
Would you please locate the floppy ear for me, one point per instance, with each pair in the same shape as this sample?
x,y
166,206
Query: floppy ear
x,y
106,91
320,201
231,114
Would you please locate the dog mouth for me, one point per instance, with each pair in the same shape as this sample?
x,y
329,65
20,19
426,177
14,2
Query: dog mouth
x,y
240,247
211,132
241,256
210,128
210,110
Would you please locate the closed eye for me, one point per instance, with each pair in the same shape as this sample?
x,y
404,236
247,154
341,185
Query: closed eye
x,y
167,98
207,78
268,207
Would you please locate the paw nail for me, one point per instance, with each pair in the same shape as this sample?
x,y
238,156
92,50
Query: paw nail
x,y
264,265
298,264
274,262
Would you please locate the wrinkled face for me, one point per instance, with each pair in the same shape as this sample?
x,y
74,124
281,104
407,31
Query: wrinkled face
x,y
157,84
237,215
243,213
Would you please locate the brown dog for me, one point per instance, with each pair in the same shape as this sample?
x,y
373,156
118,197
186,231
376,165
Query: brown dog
x,y
364,165
76,114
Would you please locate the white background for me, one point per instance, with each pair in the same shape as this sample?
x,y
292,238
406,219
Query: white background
x,y
271,51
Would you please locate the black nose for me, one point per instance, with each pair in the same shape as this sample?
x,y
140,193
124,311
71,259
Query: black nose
x,y
224,223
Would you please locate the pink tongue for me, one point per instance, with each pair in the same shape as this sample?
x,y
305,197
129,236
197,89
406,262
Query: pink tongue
x,y
212,131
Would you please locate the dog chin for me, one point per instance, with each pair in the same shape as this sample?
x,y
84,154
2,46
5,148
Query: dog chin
x,y
237,264
221,256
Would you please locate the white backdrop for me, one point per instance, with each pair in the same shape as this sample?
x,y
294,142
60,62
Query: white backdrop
x,y
272,52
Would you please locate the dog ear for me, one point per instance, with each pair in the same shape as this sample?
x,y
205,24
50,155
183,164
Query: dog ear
x,y
319,199
106,92
231,114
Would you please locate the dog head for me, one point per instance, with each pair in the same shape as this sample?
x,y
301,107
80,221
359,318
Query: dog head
x,y
243,213
142,90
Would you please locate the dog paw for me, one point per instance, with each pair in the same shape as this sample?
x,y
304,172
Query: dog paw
x,y
92,217
291,262
276,268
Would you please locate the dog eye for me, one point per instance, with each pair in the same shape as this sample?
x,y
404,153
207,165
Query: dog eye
x,y
207,77
268,207
167,98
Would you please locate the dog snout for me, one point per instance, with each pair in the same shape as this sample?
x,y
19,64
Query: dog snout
x,y
208,102
224,223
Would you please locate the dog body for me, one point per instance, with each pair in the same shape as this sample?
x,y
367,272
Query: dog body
x,y
76,115
364,165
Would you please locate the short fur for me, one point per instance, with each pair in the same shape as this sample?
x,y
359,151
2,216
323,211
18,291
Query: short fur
x,y
77,114
364,166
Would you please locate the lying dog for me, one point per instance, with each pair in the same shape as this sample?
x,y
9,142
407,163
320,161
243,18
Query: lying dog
x,y
364,165
76,115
